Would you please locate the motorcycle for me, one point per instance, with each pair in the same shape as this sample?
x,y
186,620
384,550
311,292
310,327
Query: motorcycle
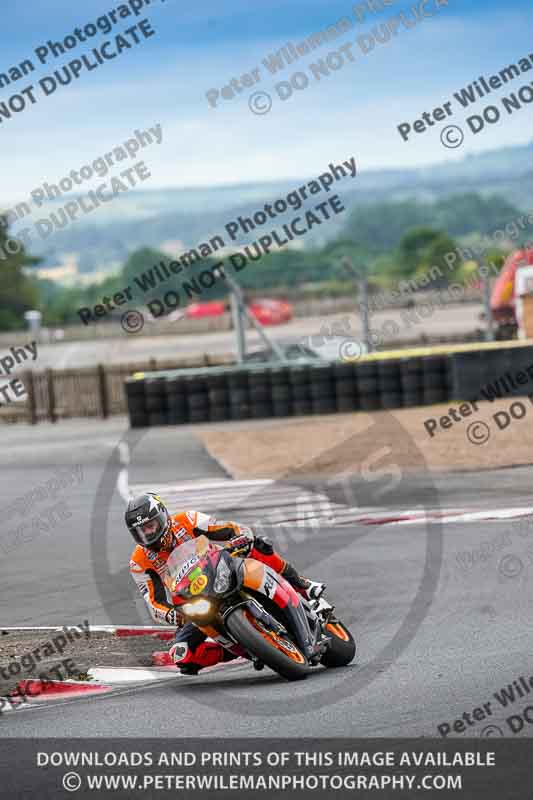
x,y
244,602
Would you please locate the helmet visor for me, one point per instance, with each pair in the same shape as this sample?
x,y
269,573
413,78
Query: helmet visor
x,y
149,532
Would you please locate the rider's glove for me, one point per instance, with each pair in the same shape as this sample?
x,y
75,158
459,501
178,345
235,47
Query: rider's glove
x,y
264,545
239,546
173,617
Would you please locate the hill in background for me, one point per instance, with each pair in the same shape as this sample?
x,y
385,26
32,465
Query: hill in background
x,y
104,240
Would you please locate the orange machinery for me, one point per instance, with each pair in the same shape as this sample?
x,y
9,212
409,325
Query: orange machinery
x,y
503,298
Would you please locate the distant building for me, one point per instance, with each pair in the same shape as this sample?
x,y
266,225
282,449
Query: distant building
x,y
67,272
88,278
175,248
172,247
296,244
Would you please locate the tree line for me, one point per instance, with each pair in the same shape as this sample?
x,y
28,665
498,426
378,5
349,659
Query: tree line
x,y
389,242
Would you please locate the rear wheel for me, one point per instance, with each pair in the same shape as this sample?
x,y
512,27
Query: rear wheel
x,y
277,652
341,648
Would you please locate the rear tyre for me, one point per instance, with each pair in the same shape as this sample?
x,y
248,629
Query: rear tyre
x,y
280,654
342,646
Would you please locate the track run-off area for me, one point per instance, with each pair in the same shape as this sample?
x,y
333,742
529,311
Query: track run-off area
x,y
438,596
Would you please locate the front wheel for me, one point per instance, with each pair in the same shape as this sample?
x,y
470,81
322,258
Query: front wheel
x,y
277,652
341,649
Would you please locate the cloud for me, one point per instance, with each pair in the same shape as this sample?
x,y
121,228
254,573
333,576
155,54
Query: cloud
x,y
354,111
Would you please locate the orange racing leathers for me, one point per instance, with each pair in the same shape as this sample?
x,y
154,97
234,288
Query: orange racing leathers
x,y
147,566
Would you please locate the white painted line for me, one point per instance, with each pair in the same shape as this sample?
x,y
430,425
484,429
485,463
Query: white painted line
x,y
131,674
124,453
110,628
92,628
507,513
116,675
123,476
186,486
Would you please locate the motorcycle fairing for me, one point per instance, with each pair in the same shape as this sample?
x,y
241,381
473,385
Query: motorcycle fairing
x,y
261,578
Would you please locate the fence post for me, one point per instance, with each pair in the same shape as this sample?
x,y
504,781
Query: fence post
x,y
363,305
489,331
51,396
102,391
27,380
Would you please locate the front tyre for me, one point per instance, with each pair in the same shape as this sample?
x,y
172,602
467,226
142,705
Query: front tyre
x,y
341,648
277,652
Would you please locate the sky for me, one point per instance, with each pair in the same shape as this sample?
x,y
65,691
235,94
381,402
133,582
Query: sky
x,y
197,47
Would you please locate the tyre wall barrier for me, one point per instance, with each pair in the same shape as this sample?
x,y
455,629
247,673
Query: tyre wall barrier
x,y
502,372
284,389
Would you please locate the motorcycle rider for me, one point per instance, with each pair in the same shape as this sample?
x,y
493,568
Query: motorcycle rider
x,y
157,533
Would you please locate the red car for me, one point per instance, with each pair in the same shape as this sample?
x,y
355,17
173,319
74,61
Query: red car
x,y
197,310
267,312
271,312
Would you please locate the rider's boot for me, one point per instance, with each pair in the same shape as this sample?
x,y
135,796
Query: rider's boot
x,y
189,669
206,654
264,551
311,590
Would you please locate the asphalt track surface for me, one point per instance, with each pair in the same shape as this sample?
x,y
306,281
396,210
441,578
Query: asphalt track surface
x,y
129,348
473,635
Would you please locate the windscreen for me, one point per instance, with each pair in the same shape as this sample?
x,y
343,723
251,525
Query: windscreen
x,y
183,559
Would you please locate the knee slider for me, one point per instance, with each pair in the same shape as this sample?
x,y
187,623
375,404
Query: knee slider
x,y
179,652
